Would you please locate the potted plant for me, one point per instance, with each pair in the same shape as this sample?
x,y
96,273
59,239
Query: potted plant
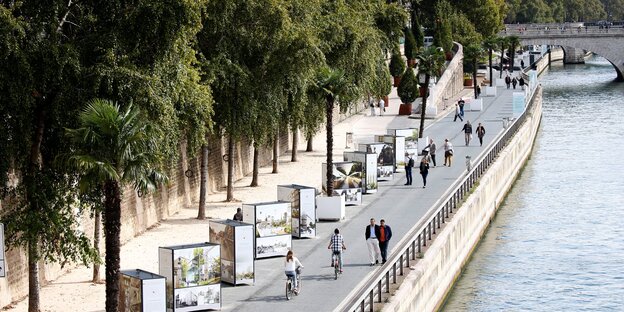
x,y
382,85
410,48
397,67
467,80
408,92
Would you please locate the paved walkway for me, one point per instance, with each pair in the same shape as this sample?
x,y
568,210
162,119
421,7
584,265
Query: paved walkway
x,y
400,205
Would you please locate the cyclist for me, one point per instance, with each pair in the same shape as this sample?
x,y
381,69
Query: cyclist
x,y
337,245
291,266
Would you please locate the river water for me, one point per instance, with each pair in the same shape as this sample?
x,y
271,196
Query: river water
x,y
557,243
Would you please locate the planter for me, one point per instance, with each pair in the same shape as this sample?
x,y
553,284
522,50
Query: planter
x,y
467,82
411,63
397,81
330,208
386,101
449,56
405,109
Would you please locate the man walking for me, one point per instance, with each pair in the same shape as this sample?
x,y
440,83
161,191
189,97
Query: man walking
x,y
507,81
372,242
457,113
467,129
382,107
385,233
432,151
409,164
448,152
461,104
480,131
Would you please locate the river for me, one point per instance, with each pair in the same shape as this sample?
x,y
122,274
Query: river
x,y
557,242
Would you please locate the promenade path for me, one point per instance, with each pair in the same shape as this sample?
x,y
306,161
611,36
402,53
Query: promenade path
x,y
401,206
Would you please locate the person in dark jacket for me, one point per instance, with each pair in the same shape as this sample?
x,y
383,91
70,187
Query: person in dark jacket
x,y
514,82
424,170
507,81
385,233
521,83
467,130
238,216
480,131
409,163
372,235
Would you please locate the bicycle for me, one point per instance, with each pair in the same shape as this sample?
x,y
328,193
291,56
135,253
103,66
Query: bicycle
x,y
336,264
290,290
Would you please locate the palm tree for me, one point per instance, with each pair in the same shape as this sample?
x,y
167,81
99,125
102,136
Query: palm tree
x,y
329,84
472,53
113,149
490,44
503,42
430,62
513,42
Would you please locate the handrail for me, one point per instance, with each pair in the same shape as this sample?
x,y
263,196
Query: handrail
x,y
370,292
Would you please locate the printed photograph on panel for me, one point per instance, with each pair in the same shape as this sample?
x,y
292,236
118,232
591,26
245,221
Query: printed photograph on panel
x,y
227,271
223,235
411,140
244,255
165,267
273,219
371,173
347,175
129,294
384,151
352,196
196,266
307,226
198,298
272,246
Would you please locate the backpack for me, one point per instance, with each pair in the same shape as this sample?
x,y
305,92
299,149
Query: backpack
x,y
410,163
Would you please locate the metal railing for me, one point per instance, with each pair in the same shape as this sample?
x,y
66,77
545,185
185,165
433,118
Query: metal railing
x,y
412,244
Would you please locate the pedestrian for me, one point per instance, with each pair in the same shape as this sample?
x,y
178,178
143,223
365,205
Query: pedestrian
x,y
467,129
457,113
385,234
409,164
239,215
521,82
522,63
337,245
448,152
382,107
480,131
372,234
424,170
507,81
372,107
432,151
478,91
461,103
514,81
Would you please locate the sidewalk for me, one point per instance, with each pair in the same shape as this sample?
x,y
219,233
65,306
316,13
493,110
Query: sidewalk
x,y
400,205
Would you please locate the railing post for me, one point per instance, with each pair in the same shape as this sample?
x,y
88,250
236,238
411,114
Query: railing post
x,y
407,258
413,250
394,273
379,290
371,300
388,282
425,237
419,244
401,266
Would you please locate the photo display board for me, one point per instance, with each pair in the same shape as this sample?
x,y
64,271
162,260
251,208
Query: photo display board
x,y
193,274
348,180
237,251
369,170
302,201
142,291
399,149
411,140
385,158
272,228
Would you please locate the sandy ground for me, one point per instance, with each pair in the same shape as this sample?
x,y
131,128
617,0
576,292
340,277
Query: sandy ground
x,y
74,291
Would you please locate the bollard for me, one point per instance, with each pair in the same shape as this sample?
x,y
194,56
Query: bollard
x,y
349,140
505,122
468,163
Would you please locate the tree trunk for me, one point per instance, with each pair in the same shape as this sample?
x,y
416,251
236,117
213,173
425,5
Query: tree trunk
x,y
474,78
295,142
230,177
329,111
424,107
112,230
33,277
310,145
490,59
203,181
275,152
97,225
501,61
254,179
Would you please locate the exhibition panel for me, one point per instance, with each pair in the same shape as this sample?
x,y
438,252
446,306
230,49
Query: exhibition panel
x,y
385,158
369,169
302,201
237,251
272,227
411,139
348,180
141,291
399,149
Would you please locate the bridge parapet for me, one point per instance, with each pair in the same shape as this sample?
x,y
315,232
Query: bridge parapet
x,y
582,32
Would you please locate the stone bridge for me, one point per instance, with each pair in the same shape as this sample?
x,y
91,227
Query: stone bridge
x,y
606,42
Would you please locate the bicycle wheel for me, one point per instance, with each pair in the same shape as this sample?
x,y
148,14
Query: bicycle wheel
x,y
298,284
336,269
288,289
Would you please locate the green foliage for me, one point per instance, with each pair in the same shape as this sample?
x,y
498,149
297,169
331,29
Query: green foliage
x,y
482,15
443,36
408,88
472,54
549,11
463,30
410,46
417,30
390,18
382,84
397,65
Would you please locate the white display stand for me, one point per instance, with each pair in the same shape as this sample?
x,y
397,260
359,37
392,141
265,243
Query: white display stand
x,y
141,291
272,225
411,139
237,251
422,143
302,201
399,149
193,275
369,169
475,105
490,91
348,180
385,158
330,208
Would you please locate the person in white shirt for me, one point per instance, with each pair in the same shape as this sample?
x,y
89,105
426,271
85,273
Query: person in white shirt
x,y
382,107
291,265
448,152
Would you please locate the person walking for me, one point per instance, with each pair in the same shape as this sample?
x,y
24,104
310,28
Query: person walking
x,y
385,233
522,64
457,113
480,131
372,242
507,81
521,82
238,216
424,169
372,107
514,82
467,129
409,164
448,152
432,151
382,107
461,104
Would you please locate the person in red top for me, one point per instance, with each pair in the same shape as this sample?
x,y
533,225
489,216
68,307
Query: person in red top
x,y
385,233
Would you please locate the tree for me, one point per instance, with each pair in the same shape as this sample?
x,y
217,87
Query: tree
x,y
390,19
408,88
430,63
472,53
113,149
417,30
503,42
410,47
397,65
513,42
490,44
443,36
382,84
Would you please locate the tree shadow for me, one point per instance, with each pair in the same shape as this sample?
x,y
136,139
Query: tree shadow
x,y
267,298
318,277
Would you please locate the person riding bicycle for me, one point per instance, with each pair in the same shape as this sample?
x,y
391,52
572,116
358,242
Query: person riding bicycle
x,y
291,268
337,245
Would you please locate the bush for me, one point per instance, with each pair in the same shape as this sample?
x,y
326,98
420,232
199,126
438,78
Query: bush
x,y
410,45
408,88
397,65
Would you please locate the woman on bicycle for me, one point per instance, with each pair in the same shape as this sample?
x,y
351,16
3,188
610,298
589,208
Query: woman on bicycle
x,y
291,265
336,244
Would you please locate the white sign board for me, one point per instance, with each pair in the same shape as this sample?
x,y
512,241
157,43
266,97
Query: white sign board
x,y
2,262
